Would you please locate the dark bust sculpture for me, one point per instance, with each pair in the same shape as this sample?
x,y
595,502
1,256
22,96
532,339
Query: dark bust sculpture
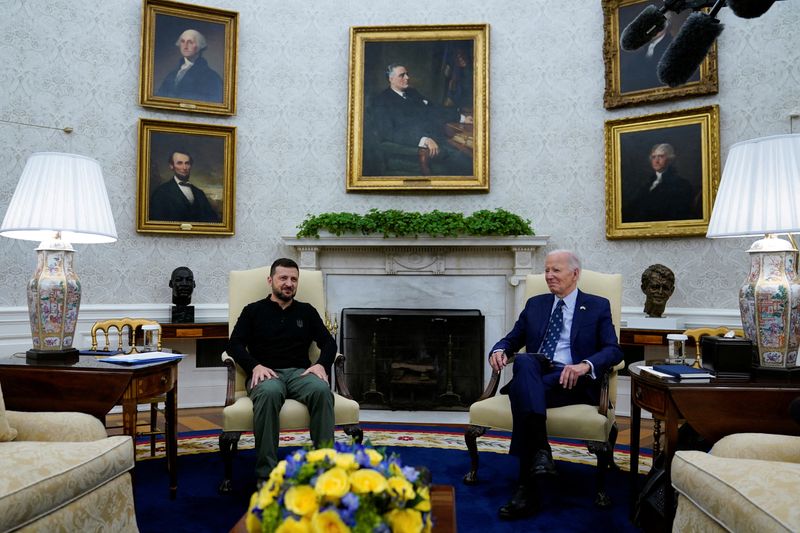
x,y
658,284
182,284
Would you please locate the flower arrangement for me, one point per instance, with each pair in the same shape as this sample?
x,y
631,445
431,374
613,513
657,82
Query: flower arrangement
x,y
350,487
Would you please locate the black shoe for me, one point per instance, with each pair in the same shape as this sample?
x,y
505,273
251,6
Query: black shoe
x,y
521,505
543,464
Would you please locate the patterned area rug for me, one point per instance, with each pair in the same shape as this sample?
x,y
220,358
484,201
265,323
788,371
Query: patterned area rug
x,y
442,437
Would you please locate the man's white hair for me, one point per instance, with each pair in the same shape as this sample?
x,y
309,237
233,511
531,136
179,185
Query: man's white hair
x,y
193,34
572,259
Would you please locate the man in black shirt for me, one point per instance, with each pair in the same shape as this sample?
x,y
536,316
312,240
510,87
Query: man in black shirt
x,y
270,342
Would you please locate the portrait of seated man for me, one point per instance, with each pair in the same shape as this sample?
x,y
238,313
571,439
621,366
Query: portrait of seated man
x,y
192,78
405,132
177,199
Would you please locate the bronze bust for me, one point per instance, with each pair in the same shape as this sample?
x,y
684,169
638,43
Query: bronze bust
x,y
658,284
182,284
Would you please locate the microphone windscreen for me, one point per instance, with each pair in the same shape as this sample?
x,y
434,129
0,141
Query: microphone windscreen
x,y
643,28
749,9
684,55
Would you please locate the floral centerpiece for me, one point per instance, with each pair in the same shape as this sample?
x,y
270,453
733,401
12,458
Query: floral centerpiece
x,y
350,487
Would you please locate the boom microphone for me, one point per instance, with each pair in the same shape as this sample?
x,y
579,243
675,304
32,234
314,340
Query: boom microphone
x,y
684,55
749,9
643,28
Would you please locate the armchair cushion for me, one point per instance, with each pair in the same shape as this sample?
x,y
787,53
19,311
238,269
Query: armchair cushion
x,y
294,415
7,432
738,494
56,427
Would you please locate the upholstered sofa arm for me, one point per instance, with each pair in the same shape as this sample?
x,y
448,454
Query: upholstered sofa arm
x,y
56,427
767,447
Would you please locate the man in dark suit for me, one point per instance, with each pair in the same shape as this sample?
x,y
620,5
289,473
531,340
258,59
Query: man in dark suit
x,y
192,78
572,343
177,199
403,116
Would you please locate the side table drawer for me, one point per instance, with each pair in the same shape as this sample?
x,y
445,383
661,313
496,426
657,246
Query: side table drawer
x,y
650,399
154,384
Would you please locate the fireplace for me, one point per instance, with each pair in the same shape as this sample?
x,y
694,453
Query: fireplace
x,y
417,359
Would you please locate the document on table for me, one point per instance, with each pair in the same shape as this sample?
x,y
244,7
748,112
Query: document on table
x,y
141,358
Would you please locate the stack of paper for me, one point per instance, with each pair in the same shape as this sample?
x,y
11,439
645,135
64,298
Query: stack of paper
x,y
141,358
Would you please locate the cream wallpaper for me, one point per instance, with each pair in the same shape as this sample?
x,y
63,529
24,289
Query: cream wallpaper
x,y
76,63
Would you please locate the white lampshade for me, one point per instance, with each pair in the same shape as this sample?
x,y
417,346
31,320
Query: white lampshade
x,y
60,192
760,189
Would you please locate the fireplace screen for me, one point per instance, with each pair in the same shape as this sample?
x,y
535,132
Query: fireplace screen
x,y
418,359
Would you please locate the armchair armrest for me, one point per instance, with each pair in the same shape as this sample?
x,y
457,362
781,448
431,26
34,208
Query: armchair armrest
x,y
56,427
340,383
230,389
494,382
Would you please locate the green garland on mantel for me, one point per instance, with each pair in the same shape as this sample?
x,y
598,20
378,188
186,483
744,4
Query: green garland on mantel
x,y
396,223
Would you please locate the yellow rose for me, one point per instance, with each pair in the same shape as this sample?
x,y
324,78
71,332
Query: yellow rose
x,y
401,488
319,455
425,504
265,496
404,520
293,525
428,524
374,457
346,461
395,470
333,483
367,480
328,522
301,500
279,471
252,523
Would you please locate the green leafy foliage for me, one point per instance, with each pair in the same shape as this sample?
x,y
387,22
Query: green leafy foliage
x,y
396,223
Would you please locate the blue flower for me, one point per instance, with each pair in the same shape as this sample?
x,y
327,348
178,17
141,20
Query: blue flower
x,y
410,473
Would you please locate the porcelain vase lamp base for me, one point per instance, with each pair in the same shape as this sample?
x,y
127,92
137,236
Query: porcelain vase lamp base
x,y
54,297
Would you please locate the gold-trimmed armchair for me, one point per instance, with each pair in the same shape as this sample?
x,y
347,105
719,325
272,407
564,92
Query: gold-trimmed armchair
x,y
590,423
244,287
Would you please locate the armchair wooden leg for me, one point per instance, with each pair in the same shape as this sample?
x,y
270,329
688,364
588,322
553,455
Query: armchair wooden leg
x,y
228,446
354,431
153,428
612,441
604,453
471,435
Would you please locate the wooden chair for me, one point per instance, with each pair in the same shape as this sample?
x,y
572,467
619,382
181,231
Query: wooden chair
x,y
130,329
246,286
697,333
590,423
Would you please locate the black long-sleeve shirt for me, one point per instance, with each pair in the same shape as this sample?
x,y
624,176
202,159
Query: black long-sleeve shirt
x,y
269,335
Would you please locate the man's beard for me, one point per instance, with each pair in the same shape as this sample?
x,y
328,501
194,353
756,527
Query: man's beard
x,y
281,296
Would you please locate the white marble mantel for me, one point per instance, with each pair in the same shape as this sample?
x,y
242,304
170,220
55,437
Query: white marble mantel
x,y
485,273
514,256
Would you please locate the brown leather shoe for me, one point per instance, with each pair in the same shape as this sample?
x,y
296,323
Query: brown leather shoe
x,y
521,505
543,464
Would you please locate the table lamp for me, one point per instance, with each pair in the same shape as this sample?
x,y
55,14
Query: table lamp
x,y
759,195
60,199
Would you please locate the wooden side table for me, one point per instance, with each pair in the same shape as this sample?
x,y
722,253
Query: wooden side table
x,y
714,409
94,387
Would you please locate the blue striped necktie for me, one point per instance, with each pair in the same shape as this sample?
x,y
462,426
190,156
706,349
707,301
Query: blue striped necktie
x,y
553,331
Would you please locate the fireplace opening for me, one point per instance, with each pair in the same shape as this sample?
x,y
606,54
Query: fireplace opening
x,y
415,359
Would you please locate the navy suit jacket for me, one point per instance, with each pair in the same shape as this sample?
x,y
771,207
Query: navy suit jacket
x,y
592,336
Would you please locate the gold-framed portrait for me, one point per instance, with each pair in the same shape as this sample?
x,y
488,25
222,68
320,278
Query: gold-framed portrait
x,y
631,76
418,108
662,173
188,58
185,178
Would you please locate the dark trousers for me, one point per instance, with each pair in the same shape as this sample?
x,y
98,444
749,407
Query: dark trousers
x,y
532,390
268,398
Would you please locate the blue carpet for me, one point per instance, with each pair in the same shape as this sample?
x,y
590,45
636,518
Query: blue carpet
x,y
567,500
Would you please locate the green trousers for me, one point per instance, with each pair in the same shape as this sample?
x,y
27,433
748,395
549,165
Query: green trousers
x,y
268,398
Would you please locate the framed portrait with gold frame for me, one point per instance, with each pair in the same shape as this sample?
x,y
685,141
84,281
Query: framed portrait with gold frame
x,y
418,109
188,58
185,178
631,76
662,173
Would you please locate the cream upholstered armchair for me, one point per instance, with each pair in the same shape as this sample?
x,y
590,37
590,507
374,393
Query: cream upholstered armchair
x,y
747,482
589,423
244,287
